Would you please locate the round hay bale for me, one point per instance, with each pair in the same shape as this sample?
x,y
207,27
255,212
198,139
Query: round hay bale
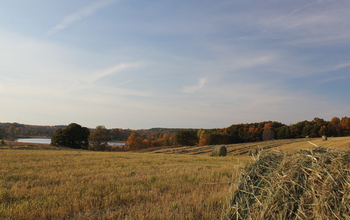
x,y
219,151
324,138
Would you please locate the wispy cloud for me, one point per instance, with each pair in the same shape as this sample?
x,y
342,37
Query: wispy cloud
x,y
98,75
293,12
85,12
318,23
257,61
341,66
125,82
201,83
112,70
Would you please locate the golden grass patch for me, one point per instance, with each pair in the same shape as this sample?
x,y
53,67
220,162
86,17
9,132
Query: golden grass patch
x,y
69,184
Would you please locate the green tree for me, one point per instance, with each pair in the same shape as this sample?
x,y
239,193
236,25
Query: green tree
x,y
216,138
306,130
73,136
186,138
283,133
99,138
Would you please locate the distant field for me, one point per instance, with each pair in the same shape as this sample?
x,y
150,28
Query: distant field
x,y
44,182
243,149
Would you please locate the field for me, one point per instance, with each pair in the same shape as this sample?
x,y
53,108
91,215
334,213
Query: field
x,y
43,182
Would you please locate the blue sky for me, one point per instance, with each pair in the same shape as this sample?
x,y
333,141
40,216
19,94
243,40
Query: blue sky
x,y
161,63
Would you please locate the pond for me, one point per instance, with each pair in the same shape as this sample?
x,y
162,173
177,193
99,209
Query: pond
x,y
48,141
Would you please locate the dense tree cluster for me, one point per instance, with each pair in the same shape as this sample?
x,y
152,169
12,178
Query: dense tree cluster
x,y
186,137
73,136
274,130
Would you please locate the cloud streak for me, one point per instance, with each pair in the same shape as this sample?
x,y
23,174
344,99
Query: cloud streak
x,y
99,75
201,83
110,71
85,12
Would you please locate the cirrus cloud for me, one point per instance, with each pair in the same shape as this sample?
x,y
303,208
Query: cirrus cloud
x,y
85,12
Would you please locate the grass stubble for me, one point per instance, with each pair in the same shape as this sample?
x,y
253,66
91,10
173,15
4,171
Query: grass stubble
x,y
68,184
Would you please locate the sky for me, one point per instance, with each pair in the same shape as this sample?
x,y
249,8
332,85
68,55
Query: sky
x,y
176,64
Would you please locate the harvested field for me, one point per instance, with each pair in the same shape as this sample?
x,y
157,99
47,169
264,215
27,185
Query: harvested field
x,y
244,148
78,184
308,184
232,149
284,182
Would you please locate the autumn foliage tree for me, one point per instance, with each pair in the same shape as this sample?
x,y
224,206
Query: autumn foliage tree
x,y
334,127
203,141
345,125
134,142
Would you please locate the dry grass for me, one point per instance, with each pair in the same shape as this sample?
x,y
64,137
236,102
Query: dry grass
x,y
42,182
239,149
308,184
70,184
342,143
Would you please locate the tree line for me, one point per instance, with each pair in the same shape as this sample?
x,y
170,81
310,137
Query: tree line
x,y
16,130
241,133
99,137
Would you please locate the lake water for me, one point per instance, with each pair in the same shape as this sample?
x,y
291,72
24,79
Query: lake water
x,y
48,141
34,140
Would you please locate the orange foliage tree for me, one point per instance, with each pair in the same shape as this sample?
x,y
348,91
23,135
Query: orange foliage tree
x,y
134,142
335,127
203,141
345,125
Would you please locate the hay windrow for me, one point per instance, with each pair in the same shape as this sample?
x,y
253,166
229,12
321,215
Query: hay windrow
x,y
311,184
